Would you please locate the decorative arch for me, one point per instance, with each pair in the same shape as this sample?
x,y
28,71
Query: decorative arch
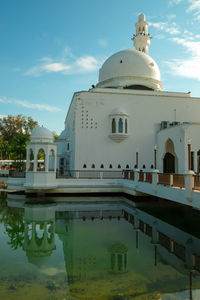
x,y
93,166
126,126
102,166
170,160
84,166
113,125
119,166
41,160
120,125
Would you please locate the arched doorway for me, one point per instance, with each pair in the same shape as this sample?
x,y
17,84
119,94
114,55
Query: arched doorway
x,y
169,163
170,160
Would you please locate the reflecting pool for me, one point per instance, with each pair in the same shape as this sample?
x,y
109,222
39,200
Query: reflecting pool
x,y
105,248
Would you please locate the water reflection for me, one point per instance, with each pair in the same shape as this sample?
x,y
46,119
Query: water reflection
x,y
39,232
99,250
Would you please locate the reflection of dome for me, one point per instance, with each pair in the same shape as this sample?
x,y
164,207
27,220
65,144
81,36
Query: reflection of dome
x,y
38,258
130,68
41,134
118,248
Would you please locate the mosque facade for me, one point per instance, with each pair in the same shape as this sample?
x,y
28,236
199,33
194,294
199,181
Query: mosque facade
x,y
119,123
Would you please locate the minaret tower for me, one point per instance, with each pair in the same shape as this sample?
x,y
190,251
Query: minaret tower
x,y
142,38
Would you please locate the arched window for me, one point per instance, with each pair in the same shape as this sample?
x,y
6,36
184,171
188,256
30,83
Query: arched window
x,y
93,166
41,160
102,166
120,125
127,166
113,125
119,166
151,166
84,166
126,126
144,167
110,166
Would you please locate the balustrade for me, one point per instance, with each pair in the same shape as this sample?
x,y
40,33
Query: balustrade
x,y
178,180
196,182
141,176
164,178
148,177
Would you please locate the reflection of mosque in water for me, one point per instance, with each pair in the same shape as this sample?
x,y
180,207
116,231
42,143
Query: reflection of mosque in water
x,y
88,252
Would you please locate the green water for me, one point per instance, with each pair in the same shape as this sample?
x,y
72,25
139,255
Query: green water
x,y
98,248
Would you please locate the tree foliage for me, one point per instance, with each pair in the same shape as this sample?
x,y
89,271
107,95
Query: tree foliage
x,y
14,134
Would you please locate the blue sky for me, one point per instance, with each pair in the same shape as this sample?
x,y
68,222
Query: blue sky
x,y
51,48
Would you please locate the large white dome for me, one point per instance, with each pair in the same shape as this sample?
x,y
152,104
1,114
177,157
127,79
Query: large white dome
x,y
130,69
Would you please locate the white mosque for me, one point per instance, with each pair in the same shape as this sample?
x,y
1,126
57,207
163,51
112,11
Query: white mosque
x,y
127,113
126,121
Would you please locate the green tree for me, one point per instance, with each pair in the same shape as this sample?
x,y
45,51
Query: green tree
x,y
11,125
18,149
5,149
14,134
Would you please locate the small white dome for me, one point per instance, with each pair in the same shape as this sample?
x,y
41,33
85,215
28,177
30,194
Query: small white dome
x,y
118,112
41,134
130,68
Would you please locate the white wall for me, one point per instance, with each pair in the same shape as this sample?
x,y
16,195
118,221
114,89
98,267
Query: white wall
x,y
146,109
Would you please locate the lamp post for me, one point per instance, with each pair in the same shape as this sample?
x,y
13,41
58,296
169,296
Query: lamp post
x,y
155,157
189,154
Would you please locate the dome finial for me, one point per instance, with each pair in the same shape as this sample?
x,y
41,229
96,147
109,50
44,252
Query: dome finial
x,y
142,38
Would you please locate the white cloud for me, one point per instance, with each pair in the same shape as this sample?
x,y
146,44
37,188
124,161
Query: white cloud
x,y
189,67
87,63
168,27
172,2
68,64
42,107
192,47
195,8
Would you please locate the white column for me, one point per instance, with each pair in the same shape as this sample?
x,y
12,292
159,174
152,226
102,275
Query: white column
x,y
189,184
35,153
27,159
55,160
136,177
46,155
155,180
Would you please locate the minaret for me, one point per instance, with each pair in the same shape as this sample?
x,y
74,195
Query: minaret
x,y
142,38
